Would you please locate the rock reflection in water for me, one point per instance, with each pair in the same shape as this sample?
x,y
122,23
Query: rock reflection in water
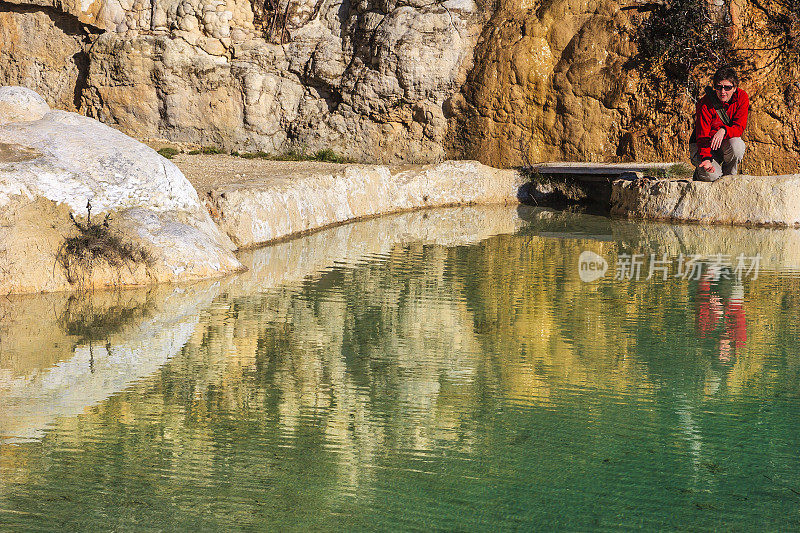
x,y
61,353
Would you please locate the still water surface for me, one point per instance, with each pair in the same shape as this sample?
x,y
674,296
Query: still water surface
x,y
435,370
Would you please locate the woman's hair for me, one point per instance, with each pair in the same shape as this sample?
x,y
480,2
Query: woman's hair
x,y
726,73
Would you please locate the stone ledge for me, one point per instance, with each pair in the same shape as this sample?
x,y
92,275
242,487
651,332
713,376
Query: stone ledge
x,y
738,200
266,209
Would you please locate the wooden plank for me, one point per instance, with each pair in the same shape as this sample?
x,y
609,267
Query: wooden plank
x,y
582,177
602,169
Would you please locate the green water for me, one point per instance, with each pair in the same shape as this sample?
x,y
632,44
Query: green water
x,y
417,381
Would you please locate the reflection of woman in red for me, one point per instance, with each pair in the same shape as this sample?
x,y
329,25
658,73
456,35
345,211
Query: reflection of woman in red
x,y
712,311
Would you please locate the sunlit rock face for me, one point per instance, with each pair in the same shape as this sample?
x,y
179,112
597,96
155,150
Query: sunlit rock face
x,y
559,80
368,79
18,104
56,167
549,83
505,82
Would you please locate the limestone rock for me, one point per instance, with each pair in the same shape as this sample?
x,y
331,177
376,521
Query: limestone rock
x,y
549,84
368,80
44,51
506,82
749,200
257,211
59,164
18,104
558,80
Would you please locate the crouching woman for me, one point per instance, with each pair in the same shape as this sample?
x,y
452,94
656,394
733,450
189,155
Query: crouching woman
x,y
716,146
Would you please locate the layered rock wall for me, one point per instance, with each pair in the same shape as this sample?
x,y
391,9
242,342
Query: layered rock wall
x,y
549,83
591,80
505,82
43,49
368,79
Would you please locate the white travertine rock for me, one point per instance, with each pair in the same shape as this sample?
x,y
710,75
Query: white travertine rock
x,y
84,160
63,162
19,104
254,212
747,200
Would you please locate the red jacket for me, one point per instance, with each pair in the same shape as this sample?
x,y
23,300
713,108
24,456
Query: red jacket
x,y
707,122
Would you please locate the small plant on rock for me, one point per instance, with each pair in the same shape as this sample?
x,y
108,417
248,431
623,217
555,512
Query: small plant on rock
x,y
329,156
169,153
206,150
326,156
680,171
96,244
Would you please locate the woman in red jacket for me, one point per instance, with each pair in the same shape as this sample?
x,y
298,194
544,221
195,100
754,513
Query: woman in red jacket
x,y
716,146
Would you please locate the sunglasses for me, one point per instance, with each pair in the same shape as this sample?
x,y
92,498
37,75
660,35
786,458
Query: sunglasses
x,y
724,87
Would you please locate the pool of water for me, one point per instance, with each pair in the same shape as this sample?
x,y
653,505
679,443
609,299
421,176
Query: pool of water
x,y
458,369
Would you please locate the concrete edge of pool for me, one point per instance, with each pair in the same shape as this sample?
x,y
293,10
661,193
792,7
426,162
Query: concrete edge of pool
x,y
273,207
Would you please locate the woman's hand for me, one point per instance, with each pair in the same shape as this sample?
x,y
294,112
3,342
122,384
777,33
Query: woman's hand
x,y
716,140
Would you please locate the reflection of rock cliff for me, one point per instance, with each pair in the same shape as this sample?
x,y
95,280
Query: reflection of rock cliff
x,y
403,80
384,303
61,354
394,355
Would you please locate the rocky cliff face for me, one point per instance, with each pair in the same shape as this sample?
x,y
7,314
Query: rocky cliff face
x,y
549,83
368,79
504,82
604,80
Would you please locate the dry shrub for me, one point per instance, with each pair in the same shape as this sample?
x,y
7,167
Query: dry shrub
x,y
679,38
98,245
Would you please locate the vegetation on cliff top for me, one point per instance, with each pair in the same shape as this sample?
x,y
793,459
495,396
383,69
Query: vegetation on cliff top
x,y
681,40
677,38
